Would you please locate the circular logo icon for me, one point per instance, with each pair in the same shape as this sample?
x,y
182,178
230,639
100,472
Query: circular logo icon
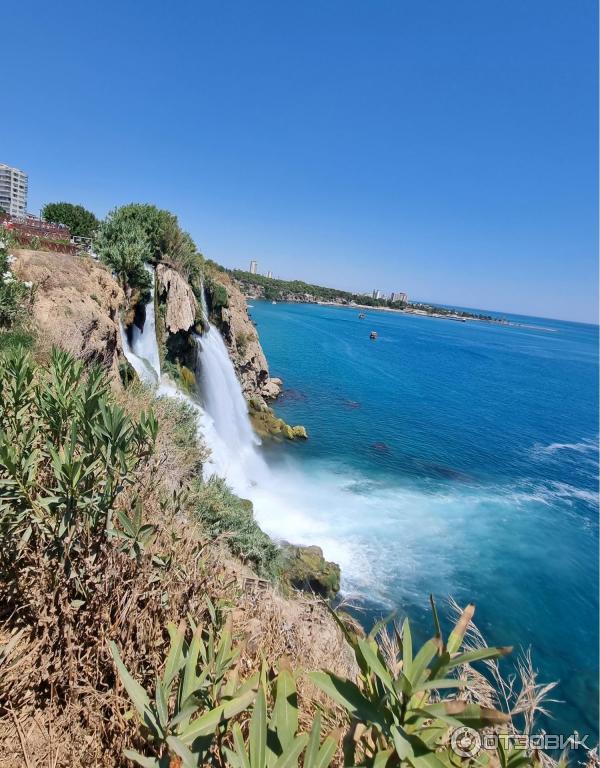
x,y
465,742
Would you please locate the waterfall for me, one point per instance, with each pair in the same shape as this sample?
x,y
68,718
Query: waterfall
x,y
142,352
232,440
203,306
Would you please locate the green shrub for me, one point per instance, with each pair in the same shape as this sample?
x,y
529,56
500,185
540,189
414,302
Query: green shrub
x,y
66,452
217,295
224,514
187,722
15,295
16,339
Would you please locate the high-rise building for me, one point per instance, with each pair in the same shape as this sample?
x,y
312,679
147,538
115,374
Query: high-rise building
x,y
269,274
399,296
13,190
377,294
253,267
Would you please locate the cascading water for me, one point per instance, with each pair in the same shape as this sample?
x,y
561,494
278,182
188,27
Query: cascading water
x,y
232,442
142,352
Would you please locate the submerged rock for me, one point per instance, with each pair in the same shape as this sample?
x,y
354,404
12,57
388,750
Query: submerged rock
x,y
305,568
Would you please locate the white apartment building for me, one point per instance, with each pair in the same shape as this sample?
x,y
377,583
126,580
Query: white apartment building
x,y
253,267
13,190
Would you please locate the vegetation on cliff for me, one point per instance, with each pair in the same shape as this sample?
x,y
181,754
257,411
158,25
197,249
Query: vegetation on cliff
x,y
108,537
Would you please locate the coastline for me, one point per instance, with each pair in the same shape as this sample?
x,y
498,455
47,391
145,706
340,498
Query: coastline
x,y
415,313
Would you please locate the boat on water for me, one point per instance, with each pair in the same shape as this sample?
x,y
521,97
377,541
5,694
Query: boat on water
x,y
362,316
273,302
373,335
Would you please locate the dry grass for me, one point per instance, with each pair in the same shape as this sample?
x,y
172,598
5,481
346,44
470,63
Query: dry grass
x,y
61,703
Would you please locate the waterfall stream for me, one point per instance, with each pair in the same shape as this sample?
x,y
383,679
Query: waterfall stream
x,y
222,418
287,501
142,351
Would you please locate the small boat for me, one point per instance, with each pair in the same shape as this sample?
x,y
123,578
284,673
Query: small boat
x,y
373,335
362,316
273,302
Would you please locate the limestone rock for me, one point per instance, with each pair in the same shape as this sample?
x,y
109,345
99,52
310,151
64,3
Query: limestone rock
x,y
305,568
76,306
181,304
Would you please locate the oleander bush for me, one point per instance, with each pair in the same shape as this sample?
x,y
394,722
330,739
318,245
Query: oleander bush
x,y
401,711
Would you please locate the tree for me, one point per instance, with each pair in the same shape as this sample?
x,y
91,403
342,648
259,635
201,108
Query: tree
x,y
80,221
125,252
163,238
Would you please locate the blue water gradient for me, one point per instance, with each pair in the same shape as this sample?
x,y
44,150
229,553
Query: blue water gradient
x,y
454,458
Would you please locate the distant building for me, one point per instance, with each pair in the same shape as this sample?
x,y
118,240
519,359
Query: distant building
x,y
253,267
13,190
377,294
269,274
399,296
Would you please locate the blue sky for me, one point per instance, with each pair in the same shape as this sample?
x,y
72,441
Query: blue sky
x,y
448,149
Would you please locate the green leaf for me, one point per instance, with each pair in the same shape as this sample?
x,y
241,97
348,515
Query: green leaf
x,y
478,655
422,660
285,712
292,753
406,648
240,748
180,749
137,694
375,665
206,724
174,660
258,731
349,696
145,762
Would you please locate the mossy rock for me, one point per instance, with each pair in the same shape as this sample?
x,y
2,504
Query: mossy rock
x,y
305,568
266,424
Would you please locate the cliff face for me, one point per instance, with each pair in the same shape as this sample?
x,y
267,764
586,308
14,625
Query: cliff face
x,y
76,306
178,297
244,347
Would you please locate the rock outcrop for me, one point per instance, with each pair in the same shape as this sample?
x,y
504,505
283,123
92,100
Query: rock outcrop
x,y
175,292
306,569
77,303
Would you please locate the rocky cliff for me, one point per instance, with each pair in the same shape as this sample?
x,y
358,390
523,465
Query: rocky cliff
x,y
77,303
181,307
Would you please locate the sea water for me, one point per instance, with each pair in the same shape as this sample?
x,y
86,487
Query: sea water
x,y
458,459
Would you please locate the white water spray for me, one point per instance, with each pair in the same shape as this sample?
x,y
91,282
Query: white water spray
x,y
142,353
234,443
288,502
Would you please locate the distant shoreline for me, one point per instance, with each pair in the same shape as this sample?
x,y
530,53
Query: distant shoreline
x,y
415,312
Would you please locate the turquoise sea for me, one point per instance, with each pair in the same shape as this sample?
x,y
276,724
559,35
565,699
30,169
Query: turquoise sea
x,y
453,458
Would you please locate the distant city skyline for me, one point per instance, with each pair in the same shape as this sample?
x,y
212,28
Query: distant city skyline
x,y
434,161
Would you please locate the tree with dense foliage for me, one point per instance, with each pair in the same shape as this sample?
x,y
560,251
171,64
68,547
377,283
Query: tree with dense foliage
x,y
138,232
125,249
80,221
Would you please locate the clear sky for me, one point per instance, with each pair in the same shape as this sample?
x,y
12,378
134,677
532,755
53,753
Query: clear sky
x,y
447,149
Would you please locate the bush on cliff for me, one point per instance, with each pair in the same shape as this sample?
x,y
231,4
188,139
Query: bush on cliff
x,y
223,514
157,233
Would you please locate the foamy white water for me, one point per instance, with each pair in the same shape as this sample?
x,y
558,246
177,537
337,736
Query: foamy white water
x,y
143,353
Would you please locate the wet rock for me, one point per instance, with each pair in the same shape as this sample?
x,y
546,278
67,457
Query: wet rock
x,y
305,568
